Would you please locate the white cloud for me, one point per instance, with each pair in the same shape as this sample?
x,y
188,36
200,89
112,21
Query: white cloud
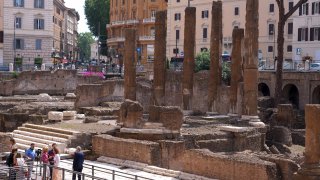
x,y
79,6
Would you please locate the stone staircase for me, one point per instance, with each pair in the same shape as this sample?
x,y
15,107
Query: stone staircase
x,y
43,136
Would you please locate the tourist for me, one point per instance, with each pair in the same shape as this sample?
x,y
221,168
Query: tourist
x,y
56,174
10,162
51,158
30,155
13,144
20,166
78,163
45,160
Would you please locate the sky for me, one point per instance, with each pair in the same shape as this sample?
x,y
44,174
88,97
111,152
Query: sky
x,y
79,6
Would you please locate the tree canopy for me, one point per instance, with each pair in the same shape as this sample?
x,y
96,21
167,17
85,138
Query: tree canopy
x,y
84,42
97,14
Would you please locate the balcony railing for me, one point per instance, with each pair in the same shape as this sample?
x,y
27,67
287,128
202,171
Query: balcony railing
x,y
149,20
115,39
146,38
133,21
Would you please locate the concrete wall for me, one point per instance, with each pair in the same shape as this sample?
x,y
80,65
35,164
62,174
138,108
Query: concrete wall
x,y
305,82
58,82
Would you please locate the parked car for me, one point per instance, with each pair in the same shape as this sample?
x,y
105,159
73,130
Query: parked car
x,y
314,66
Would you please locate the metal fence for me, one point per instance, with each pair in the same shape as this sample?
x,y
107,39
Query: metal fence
x,y
41,172
305,66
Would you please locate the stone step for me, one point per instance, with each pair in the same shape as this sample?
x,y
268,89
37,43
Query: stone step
x,y
41,136
37,144
45,132
51,129
35,140
151,125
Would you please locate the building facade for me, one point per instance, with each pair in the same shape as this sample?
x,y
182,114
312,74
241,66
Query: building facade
x,y
136,14
234,12
306,26
94,53
28,31
1,33
58,28
71,34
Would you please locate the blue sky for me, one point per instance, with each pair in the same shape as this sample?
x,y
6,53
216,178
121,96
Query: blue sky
x,y
78,5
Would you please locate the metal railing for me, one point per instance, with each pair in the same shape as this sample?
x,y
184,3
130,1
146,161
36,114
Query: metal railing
x,y
304,66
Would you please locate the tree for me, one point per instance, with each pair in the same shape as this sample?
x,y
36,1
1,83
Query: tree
x,y
283,17
97,14
84,42
203,63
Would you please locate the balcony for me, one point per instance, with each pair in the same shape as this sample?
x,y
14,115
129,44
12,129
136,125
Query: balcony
x,y
133,21
146,38
149,20
115,39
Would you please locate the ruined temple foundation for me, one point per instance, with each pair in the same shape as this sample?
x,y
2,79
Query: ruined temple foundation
x,y
310,170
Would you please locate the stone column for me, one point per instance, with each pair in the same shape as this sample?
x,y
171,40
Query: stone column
x,y
129,64
236,67
188,63
215,54
311,167
160,58
251,59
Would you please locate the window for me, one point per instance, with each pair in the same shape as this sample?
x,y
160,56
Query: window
x,y
38,23
38,44
271,8
315,8
18,23
153,13
177,16
290,28
19,44
178,0
302,34
18,3
152,31
271,29
315,34
175,50
38,3
204,49
304,9
134,1
205,14
290,5
236,11
205,33
177,34
289,48
57,10
1,36
270,48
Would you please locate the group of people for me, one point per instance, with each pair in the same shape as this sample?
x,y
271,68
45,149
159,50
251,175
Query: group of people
x,y
23,165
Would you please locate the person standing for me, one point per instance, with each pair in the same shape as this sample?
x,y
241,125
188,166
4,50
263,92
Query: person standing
x,y
78,163
51,159
45,160
56,174
13,144
31,155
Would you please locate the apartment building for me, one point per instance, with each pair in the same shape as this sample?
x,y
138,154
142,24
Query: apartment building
x,y
306,26
234,12
94,53
71,34
138,14
28,31
1,33
58,28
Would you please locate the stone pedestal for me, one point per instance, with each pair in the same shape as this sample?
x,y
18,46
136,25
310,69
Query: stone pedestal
x,y
188,63
160,57
310,170
215,53
11,67
236,67
129,65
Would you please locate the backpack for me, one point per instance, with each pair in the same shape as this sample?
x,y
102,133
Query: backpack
x,y
9,160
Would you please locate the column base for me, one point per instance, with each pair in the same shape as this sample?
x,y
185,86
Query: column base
x,y
308,172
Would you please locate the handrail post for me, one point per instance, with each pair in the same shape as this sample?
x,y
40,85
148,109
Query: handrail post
x,y
136,177
63,174
44,171
92,172
113,175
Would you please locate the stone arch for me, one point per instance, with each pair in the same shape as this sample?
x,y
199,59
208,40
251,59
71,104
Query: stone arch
x,y
291,95
263,89
316,95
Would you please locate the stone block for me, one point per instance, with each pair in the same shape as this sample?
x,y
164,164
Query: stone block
x,y
55,116
286,115
130,115
80,116
70,96
128,149
44,97
69,115
171,117
281,135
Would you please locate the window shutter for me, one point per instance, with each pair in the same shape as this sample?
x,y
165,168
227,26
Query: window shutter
x,y
22,3
311,34
35,3
307,8
312,10
299,34
202,14
42,3
42,23
22,43
300,10
318,34
319,8
306,30
35,23
14,44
